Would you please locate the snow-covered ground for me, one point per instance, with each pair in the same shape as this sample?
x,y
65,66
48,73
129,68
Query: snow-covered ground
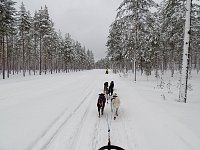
x,y
58,112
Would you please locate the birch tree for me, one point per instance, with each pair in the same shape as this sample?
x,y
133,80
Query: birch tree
x,y
185,62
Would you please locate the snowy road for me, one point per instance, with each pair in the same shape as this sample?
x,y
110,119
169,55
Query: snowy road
x,y
58,112
55,112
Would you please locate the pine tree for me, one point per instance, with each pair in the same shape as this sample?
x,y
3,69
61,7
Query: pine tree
x,y
132,21
173,13
31,43
24,30
195,38
43,30
68,52
7,12
115,44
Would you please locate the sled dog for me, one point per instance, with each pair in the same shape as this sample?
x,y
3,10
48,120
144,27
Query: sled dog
x,y
101,104
115,103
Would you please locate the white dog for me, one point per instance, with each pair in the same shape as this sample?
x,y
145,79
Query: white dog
x,y
115,103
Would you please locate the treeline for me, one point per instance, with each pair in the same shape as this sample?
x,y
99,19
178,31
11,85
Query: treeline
x,y
140,40
30,44
103,63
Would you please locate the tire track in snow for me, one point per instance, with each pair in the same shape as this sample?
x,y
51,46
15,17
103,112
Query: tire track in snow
x,y
48,135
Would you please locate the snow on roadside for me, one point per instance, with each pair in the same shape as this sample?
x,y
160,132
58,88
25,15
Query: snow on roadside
x,y
162,122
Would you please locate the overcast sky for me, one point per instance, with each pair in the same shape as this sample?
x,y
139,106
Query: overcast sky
x,y
87,21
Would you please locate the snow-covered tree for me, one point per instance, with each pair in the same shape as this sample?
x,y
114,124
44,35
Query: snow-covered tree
x,y
24,22
172,27
7,12
32,43
115,44
44,27
195,38
89,60
132,24
68,52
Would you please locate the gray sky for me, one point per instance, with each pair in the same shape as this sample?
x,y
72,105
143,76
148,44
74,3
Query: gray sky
x,y
87,21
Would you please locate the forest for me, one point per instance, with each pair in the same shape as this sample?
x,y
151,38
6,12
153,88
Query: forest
x,y
31,44
152,40
144,36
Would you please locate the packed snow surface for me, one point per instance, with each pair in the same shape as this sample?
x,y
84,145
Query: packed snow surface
x,y
58,112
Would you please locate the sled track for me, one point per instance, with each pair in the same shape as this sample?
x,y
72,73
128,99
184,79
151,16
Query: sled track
x,y
127,133
48,135
96,134
98,126
76,137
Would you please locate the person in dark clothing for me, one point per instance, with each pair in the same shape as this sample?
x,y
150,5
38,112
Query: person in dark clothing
x,y
106,71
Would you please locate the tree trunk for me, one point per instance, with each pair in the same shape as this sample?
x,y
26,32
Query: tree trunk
x,y
198,63
23,54
12,56
35,54
1,48
7,57
29,57
3,57
172,59
185,63
40,63
51,64
136,41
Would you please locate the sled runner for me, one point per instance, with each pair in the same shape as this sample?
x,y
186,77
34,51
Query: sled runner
x,y
111,147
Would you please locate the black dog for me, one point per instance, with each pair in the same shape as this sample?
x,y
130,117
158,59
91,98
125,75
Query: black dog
x,y
105,88
101,103
111,87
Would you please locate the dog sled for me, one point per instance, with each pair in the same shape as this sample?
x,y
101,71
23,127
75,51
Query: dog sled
x,y
111,147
